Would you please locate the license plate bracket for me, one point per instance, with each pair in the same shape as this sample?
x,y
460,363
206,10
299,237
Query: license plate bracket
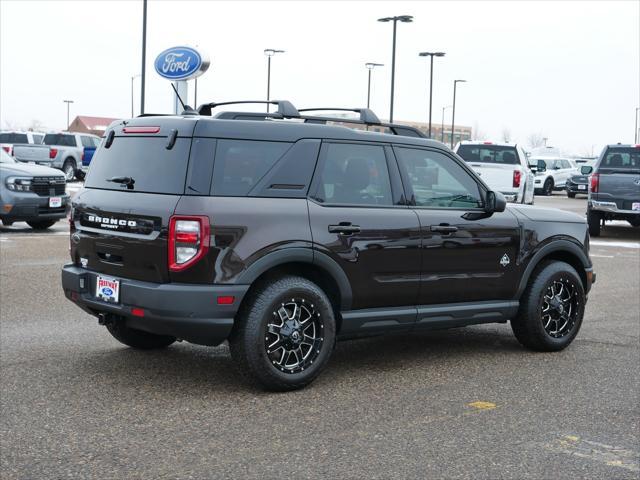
x,y
55,202
107,289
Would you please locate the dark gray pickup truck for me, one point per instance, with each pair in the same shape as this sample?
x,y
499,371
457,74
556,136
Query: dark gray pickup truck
x,y
614,187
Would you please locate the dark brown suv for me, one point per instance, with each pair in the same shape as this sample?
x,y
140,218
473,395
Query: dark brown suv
x,y
282,233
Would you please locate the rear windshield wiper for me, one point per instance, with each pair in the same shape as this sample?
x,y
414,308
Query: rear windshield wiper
x,y
128,181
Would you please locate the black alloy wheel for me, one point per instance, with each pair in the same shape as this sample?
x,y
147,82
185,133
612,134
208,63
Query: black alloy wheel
x,y
560,306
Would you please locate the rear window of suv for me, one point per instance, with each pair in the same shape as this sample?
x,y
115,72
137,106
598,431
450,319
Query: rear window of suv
x,y
621,158
59,139
13,138
498,154
146,160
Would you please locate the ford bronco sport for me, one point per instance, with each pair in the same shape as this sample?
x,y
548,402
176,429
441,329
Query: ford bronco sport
x,y
282,233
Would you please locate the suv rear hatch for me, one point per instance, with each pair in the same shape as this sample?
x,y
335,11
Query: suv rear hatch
x,y
120,220
495,164
618,177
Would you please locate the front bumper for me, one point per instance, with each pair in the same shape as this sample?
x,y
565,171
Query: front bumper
x,y
575,188
185,311
27,207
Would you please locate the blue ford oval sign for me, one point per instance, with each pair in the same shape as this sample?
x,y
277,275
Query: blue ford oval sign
x,y
181,63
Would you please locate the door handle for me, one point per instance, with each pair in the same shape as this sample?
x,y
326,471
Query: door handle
x,y
344,228
444,228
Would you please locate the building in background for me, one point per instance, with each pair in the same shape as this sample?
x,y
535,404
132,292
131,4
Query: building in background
x,y
93,125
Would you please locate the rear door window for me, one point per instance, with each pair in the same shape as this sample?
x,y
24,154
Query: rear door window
x,y
61,139
146,160
240,164
498,154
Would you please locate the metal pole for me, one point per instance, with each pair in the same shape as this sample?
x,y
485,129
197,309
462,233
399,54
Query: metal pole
x,y
453,113
442,126
132,96
369,90
144,54
68,103
195,93
393,69
430,94
268,81
636,133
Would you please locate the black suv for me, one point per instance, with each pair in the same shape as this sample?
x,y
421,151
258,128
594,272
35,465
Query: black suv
x,y
282,233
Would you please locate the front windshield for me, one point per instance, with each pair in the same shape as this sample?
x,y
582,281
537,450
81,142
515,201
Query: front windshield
x,y
5,157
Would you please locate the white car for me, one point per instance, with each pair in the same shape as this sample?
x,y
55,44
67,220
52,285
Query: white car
x,y
8,138
552,173
502,166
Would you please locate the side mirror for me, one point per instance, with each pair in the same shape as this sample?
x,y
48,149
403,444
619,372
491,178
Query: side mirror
x,y
494,202
586,170
80,175
542,166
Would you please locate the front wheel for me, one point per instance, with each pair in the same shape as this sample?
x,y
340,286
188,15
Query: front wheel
x,y
547,189
41,224
634,222
571,194
551,308
284,334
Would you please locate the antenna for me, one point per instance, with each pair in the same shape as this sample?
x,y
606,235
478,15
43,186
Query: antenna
x,y
178,95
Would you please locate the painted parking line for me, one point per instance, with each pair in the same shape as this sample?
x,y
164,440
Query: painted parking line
x,y
614,243
596,451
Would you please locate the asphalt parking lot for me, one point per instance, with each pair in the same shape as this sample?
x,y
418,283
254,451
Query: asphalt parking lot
x,y
466,403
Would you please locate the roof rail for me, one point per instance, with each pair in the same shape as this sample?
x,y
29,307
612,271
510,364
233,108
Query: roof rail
x,y
366,115
285,108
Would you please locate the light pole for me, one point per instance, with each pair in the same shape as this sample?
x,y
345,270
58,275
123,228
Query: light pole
x,y
132,79
636,133
431,54
144,54
453,112
68,102
442,124
370,66
270,52
395,20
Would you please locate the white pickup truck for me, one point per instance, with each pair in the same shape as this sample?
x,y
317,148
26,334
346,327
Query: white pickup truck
x,y
502,166
64,151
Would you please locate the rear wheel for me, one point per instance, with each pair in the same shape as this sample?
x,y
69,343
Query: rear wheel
x,y
547,189
137,338
635,222
284,334
41,224
69,169
594,219
551,308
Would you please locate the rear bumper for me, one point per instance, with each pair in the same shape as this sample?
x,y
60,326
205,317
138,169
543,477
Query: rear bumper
x,y
186,311
575,188
611,207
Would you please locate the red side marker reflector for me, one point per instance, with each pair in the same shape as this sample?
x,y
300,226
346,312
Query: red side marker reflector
x,y
137,312
141,129
226,300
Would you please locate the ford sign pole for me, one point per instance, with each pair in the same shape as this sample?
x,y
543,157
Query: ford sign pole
x,y
179,64
144,54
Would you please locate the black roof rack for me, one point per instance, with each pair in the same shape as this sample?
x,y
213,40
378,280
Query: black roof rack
x,y
366,116
285,108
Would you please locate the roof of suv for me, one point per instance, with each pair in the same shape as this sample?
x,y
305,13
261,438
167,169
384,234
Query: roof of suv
x,y
273,130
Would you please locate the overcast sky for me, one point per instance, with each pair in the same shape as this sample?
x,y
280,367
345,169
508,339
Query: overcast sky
x,y
569,71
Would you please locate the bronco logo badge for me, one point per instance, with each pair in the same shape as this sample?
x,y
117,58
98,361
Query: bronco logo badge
x,y
504,261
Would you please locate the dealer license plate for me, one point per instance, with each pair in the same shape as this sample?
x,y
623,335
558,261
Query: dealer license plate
x,y
55,202
107,289
582,187
635,206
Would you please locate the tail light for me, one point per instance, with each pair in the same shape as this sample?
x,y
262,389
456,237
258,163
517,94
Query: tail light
x,y
53,152
517,175
595,182
8,149
82,157
188,240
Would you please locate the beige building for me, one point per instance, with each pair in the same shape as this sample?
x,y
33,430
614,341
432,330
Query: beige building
x,y
437,132
93,125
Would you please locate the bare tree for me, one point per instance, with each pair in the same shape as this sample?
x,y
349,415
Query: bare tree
x,y
535,140
506,135
36,125
476,133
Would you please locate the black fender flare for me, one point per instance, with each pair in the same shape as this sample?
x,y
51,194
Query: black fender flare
x,y
301,255
553,246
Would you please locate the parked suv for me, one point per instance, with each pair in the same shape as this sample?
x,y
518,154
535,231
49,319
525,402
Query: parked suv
x,y
282,236
31,193
614,189
502,166
552,173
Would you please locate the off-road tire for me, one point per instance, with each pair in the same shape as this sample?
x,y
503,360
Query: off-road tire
x,y
137,338
41,224
528,326
247,340
594,219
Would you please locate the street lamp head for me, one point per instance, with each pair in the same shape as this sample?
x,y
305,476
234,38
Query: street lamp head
x,y
401,18
270,52
67,101
371,65
431,54
439,54
460,81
